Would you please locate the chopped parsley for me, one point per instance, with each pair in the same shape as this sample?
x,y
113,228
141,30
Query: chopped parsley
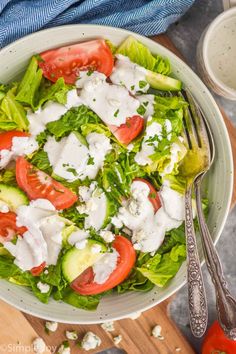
x,y
142,84
72,170
90,161
141,110
132,87
145,103
116,113
89,73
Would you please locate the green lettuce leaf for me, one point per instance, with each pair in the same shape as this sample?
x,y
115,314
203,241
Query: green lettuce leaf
x,y
53,92
41,161
8,268
72,121
12,113
140,54
80,301
135,282
34,90
28,89
8,177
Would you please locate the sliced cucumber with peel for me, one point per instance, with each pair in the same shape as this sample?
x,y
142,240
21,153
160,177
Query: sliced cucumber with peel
x,y
12,196
162,82
75,261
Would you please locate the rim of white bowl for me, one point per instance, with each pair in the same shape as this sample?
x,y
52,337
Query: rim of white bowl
x,y
207,37
231,167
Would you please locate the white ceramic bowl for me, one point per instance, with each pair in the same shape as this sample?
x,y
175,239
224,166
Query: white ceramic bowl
x,y
13,61
216,55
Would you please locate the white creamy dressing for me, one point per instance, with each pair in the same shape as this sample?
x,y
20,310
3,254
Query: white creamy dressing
x,y
20,146
148,148
130,75
78,238
43,240
94,206
112,103
148,102
148,229
72,159
51,112
105,266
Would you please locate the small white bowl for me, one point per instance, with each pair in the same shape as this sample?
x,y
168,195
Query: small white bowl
x,y
14,59
216,55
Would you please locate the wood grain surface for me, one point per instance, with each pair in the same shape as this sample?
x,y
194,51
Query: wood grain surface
x,y
136,334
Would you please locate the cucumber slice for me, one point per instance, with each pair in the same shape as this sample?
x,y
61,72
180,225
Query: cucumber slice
x,y
162,82
101,210
12,196
75,261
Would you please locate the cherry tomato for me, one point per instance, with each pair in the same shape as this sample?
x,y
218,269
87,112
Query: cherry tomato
x,y
84,283
38,184
38,270
6,138
67,62
153,196
127,132
8,227
215,341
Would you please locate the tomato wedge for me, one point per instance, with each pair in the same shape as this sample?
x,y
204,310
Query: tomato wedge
x,y
38,270
216,342
8,227
38,184
6,138
68,61
84,283
153,196
127,132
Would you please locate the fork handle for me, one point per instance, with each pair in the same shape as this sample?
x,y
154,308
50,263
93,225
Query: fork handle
x,y
225,303
198,312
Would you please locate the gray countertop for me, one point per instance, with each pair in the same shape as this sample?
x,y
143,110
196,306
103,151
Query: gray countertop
x,y
185,34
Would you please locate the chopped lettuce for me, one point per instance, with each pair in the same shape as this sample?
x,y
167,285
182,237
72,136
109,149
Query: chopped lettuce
x,y
41,161
72,121
140,54
160,269
80,301
12,113
28,89
34,90
8,177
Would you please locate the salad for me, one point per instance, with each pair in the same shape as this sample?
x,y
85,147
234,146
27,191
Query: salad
x,y
91,191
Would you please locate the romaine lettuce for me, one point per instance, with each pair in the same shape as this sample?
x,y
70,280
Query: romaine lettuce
x,y
72,121
140,54
12,113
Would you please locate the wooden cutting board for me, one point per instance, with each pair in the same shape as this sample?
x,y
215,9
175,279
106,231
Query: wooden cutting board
x,y
17,330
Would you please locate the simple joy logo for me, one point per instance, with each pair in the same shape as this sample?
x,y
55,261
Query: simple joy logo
x,y
22,349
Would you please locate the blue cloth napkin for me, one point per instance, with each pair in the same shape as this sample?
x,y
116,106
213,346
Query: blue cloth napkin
x,y
21,17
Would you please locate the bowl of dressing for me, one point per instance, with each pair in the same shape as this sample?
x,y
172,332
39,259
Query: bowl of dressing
x,y
216,55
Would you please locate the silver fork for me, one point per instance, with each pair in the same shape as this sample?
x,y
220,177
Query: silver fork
x,y
225,303
191,166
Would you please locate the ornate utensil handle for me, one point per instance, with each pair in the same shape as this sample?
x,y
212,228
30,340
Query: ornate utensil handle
x,y
198,313
225,303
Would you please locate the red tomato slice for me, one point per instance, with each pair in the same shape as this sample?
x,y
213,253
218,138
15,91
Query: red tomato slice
x,y
38,184
215,341
153,196
38,270
85,285
68,61
8,228
127,132
6,138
